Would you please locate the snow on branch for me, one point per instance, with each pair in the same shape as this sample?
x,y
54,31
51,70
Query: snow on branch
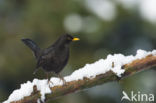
x,y
113,68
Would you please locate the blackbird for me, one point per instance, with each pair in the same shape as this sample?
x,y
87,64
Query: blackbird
x,y
54,58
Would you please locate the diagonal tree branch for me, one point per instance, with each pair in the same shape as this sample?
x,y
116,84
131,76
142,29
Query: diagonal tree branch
x,y
57,91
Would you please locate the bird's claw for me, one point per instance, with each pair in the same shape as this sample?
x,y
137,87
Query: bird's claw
x,y
50,83
63,80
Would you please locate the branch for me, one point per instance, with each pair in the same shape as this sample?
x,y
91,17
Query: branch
x,y
131,68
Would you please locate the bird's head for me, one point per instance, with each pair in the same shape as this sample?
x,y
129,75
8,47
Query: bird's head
x,y
67,38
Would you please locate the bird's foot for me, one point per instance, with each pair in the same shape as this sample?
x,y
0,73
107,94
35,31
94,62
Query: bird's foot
x,y
63,80
50,82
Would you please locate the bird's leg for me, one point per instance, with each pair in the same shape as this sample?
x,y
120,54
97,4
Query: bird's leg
x,y
61,78
48,78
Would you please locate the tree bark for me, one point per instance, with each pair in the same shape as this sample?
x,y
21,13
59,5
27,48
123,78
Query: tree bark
x,y
58,91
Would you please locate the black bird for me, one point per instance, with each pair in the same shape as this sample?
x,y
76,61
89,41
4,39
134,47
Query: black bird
x,y
54,58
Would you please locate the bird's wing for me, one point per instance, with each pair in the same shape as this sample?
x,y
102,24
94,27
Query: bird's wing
x,y
45,58
39,63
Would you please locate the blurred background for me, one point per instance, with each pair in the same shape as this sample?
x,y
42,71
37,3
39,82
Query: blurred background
x,y
104,27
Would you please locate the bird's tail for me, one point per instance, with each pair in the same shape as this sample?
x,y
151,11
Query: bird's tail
x,y
33,46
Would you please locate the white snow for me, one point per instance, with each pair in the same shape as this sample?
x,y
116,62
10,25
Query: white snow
x,y
42,86
18,94
27,88
112,62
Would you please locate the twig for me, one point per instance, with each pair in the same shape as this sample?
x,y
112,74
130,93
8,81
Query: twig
x,y
58,91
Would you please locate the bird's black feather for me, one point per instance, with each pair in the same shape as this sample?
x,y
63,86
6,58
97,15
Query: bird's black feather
x,y
33,46
53,58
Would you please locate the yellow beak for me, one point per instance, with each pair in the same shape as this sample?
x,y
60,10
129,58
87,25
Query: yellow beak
x,y
75,39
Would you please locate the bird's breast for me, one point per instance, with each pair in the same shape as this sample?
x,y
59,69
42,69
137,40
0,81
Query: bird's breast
x,y
62,55
58,61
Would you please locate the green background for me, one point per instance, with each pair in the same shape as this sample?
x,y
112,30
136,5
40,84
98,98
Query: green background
x,y
45,20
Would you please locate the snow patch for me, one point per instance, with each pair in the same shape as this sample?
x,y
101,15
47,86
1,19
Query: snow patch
x,y
112,62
